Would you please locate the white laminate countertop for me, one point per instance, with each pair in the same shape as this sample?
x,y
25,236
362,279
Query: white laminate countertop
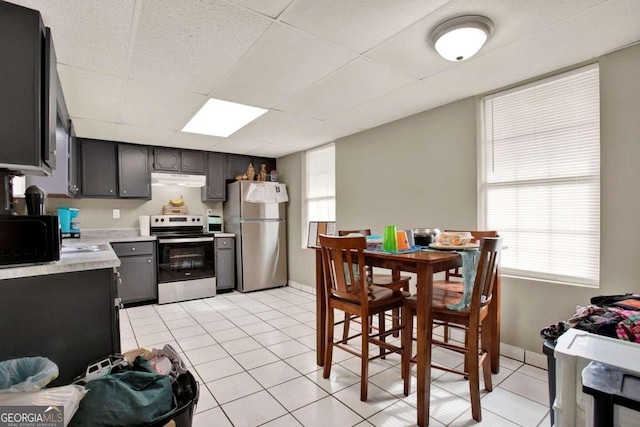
x,y
81,261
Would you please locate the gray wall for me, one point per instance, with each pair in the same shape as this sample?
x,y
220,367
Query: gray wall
x,y
421,171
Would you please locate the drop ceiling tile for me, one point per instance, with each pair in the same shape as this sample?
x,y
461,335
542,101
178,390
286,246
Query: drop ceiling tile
x,y
195,141
90,94
191,44
148,105
139,135
273,125
410,52
95,129
271,150
271,8
90,34
239,146
352,85
600,30
321,133
580,38
280,64
406,101
358,25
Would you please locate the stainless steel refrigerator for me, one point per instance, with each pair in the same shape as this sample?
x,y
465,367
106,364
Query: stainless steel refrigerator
x,y
261,237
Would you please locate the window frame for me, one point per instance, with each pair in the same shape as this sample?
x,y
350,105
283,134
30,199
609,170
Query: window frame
x,y
305,220
483,185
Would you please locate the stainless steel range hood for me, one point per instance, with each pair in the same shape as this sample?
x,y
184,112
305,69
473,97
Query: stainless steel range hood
x,y
163,179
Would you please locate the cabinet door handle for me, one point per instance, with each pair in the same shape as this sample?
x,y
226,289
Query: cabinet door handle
x,y
148,261
124,191
133,249
110,191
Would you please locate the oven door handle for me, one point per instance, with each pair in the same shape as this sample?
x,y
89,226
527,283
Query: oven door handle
x,y
187,240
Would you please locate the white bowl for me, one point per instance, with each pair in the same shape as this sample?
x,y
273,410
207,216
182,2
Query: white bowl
x,y
458,238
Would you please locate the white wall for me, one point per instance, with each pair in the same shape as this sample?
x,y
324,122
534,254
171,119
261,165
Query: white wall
x,y
421,172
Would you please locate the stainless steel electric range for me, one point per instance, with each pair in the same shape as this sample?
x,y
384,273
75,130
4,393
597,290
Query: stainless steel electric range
x,y
185,258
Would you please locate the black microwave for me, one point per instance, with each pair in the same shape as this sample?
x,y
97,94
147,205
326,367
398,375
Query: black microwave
x,y
29,239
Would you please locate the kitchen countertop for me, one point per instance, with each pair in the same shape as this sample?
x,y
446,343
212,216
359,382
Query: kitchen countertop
x,y
72,261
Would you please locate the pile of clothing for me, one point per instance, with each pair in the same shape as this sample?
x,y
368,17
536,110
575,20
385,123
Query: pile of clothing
x,y
615,316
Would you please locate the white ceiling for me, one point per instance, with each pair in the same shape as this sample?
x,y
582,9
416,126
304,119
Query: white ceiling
x,y
137,70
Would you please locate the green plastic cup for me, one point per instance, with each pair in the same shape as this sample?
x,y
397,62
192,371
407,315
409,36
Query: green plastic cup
x,y
390,239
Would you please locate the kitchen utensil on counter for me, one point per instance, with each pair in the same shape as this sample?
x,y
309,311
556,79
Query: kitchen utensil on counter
x,y
35,199
425,236
390,242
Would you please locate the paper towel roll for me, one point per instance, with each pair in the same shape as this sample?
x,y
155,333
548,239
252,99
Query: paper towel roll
x,y
145,223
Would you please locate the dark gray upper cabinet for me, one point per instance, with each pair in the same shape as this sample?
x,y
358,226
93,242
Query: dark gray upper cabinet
x,y
179,161
237,164
216,188
259,161
74,163
99,168
28,101
193,162
134,177
166,159
58,183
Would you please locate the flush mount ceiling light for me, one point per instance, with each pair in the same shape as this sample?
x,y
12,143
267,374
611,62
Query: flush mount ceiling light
x,y
222,118
460,38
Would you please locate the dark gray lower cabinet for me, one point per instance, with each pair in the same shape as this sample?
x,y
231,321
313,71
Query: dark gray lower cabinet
x,y
137,279
225,255
71,318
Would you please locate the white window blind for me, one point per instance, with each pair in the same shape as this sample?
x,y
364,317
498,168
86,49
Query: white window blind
x,y
541,183
321,184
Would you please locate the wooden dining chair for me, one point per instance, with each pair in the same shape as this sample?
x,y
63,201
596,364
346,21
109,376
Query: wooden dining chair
x,y
457,286
346,289
386,280
472,319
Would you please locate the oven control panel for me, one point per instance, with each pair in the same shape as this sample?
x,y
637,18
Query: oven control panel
x,y
176,220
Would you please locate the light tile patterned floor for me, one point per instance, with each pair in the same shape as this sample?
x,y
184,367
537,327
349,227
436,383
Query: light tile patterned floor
x,y
254,357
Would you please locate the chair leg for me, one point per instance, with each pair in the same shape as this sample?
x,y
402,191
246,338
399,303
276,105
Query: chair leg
x,y
407,341
364,368
395,320
471,360
345,326
328,346
382,327
485,345
446,332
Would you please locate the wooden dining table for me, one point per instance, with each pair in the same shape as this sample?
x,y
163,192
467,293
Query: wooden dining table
x,y
425,264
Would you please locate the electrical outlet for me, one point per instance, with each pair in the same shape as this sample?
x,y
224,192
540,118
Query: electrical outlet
x,y
209,212
116,214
